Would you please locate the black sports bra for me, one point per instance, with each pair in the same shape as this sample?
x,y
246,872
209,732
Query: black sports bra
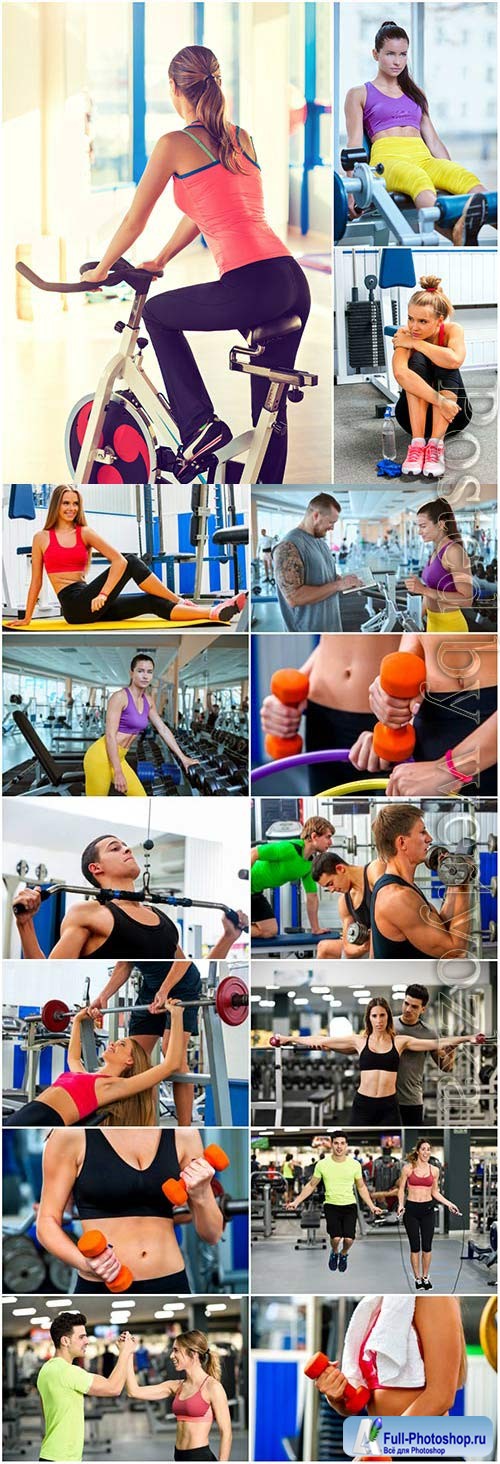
x,y
129,938
108,1187
385,1062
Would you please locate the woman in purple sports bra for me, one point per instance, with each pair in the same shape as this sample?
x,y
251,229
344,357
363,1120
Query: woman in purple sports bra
x,y
393,113
446,581
128,714
198,1400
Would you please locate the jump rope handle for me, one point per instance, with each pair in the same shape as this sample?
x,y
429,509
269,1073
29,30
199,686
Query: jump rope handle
x,y
401,675
291,688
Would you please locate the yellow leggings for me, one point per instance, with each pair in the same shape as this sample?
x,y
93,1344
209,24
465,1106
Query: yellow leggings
x,y
449,621
409,167
99,772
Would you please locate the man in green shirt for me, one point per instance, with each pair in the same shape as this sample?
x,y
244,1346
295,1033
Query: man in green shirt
x,y
62,1387
342,1176
274,865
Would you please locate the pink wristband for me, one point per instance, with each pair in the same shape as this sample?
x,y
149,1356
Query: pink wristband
x,y
462,777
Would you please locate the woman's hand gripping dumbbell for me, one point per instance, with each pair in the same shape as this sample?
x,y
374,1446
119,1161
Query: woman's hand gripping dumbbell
x,y
395,697
332,1382
281,712
198,1172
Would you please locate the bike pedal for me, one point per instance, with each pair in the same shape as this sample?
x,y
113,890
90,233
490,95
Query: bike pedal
x,y
166,459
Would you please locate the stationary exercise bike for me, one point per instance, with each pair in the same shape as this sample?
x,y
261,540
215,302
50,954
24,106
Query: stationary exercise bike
x,y
126,431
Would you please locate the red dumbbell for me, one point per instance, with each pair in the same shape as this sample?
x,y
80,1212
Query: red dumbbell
x,y
402,674
92,1244
354,1399
175,1189
291,688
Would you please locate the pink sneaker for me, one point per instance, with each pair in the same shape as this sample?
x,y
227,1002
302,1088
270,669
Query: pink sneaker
x,y
414,460
434,465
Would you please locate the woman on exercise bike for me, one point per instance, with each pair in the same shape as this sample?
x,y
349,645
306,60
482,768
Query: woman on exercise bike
x,y
218,188
63,548
198,1401
393,112
129,712
433,403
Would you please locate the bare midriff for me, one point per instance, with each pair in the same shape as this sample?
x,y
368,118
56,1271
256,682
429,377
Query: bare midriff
x,y
193,1435
463,665
396,132
340,676
144,1243
377,1085
61,581
62,1103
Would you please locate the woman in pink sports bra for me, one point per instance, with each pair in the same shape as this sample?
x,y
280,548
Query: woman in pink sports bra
x,y
392,112
198,1401
433,403
421,1180
128,713
218,188
63,548
437,1324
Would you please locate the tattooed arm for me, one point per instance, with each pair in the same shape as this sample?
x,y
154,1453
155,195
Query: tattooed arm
x,y
289,573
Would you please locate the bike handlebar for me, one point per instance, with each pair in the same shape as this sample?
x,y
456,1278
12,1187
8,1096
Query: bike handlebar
x,y
123,272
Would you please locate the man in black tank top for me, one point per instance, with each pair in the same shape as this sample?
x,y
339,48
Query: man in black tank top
x,y
354,884
405,925
116,929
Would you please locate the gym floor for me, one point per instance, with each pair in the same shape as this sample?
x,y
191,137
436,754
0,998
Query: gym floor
x,y
135,1440
375,1261
71,350
358,433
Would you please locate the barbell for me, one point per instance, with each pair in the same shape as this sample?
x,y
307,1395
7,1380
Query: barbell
x,y
230,1000
146,896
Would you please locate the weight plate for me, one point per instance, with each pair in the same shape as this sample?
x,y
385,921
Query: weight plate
x,y
55,1015
62,1276
23,1267
340,209
231,1001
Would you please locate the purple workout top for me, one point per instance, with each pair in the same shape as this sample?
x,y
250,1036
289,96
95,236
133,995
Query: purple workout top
x,y
381,112
132,720
435,576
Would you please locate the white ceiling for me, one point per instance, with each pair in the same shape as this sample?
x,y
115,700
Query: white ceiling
x,y
366,503
100,660
98,1309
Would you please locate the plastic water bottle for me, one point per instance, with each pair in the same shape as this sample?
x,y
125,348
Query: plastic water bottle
x,y
388,436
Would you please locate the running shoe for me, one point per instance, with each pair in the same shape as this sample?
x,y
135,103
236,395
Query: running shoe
x,y
473,216
434,465
342,1263
414,460
227,608
427,1285
333,1261
195,455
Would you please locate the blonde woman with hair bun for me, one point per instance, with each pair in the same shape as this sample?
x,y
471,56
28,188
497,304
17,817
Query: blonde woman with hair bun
x,y
433,403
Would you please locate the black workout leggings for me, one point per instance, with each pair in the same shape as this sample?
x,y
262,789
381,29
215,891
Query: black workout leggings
x,y
189,1454
442,380
241,299
418,1221
75,600
175,1285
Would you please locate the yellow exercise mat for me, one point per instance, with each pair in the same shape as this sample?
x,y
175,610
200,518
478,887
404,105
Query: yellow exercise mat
x,y
141,622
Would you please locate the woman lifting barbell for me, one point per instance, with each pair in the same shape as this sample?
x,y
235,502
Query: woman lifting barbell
x,y
379,1050
129,712
218,187
197,1403
94,930
421,1180
394,112
63,548
115,1183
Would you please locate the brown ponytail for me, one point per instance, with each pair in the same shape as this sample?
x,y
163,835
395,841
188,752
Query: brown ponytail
x,y
196,1343
438,510
195,72
432,296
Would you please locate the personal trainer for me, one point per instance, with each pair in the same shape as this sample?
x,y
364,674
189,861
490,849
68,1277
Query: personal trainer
x,y
354,883
404,923
307,583
341,1176
160,980
409,1087
282,862
62,1387
93,930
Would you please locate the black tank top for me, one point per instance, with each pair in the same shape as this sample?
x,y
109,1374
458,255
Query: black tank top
x,y
108,1187
361,912
383,947
129,938
385,1062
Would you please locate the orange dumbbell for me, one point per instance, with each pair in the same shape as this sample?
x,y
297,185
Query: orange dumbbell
x,y
291,688
354,1399
92,1244
401,675
175,1189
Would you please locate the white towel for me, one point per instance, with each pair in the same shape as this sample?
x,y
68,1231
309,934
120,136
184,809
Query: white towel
x,y
393,1339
